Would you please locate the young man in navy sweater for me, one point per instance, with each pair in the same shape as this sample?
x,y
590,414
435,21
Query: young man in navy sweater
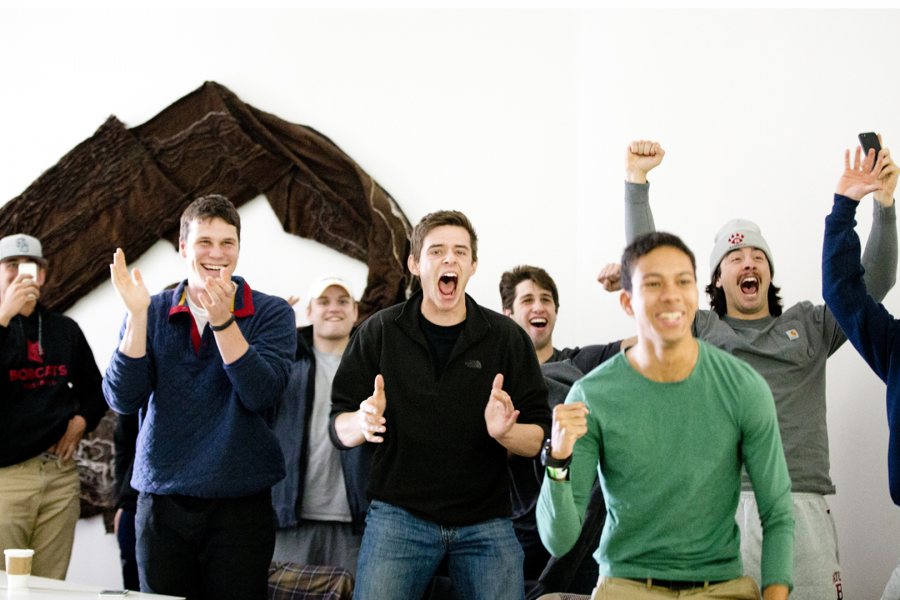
x,y
204,364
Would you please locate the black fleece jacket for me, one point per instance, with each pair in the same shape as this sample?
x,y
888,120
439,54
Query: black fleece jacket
x,y
437,460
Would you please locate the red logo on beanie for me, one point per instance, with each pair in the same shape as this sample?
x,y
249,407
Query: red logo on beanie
x,y
735,238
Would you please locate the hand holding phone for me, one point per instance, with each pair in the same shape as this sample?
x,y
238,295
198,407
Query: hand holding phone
x,y
869,140
28,268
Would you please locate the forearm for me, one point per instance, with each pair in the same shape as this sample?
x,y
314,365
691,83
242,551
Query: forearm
x,y
92,406
232,343
259,379
638,215
867,324
134,339
843,285
764,459
6,316
880,257
127,383
257,355
523,439
347,429
778,548
557,517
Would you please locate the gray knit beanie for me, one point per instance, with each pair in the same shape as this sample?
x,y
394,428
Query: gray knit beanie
x,y
738,233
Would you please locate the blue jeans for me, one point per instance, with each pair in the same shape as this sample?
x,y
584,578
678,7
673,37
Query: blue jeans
x,y
400,553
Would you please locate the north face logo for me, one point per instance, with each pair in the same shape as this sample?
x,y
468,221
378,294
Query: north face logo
x,y
34,352
735,238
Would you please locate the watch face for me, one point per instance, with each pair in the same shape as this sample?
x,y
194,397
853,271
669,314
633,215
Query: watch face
x,y
545,452
547,459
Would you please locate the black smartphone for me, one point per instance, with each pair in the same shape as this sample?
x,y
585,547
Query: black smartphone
x,y
867,140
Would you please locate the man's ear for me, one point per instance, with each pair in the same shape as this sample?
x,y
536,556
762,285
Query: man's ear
x,y
625,303
507,312
412,265
181,248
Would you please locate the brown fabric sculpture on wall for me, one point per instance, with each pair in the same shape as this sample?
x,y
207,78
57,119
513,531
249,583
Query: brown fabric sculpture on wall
x,y
127,188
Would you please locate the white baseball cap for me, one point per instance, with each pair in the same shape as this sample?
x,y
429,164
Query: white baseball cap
x,y
20,244
319,286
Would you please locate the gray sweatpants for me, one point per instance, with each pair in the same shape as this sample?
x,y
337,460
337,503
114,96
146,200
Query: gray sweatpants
x,y
817,571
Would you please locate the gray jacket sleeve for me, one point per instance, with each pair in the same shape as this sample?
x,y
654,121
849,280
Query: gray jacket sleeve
x,y
880,256
638,216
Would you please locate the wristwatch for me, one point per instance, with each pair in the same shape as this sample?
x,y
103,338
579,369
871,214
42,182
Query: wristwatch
x,y
547,458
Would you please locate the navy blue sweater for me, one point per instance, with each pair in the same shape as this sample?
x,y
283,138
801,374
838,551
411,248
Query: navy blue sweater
x,y
204,428
870,328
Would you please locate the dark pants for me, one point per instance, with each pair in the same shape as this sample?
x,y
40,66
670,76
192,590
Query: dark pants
x,y
125,536
205,549
536,556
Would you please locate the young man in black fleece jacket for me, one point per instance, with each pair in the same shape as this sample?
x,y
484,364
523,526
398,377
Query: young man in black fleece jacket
x,y
457,387
49,398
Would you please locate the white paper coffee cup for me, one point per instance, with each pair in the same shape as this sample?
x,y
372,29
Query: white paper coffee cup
x,y
18,567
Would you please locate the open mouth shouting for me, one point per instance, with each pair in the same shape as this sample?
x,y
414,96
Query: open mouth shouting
x,y
749,284
447,284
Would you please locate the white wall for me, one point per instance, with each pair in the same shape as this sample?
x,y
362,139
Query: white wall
x,y
519,118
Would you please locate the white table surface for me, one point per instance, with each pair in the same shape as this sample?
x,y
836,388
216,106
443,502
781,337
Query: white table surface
x,y
41,588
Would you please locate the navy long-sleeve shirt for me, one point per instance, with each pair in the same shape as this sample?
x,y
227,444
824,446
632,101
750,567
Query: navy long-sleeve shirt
x,y
871,329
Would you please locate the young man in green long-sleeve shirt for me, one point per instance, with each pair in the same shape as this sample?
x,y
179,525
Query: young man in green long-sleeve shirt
x,y
668,426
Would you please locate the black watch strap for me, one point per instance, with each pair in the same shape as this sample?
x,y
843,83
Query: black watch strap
x,y
224,325
547,458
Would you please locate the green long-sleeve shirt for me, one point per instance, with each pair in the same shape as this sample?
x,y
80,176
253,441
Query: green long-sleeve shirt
x,y
790,351
669,458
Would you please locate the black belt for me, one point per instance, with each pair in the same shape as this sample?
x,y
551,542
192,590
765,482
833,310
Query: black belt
x,y
676,585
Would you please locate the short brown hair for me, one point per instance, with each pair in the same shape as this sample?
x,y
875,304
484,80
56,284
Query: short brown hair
x,y
511,279
207,207
440,218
